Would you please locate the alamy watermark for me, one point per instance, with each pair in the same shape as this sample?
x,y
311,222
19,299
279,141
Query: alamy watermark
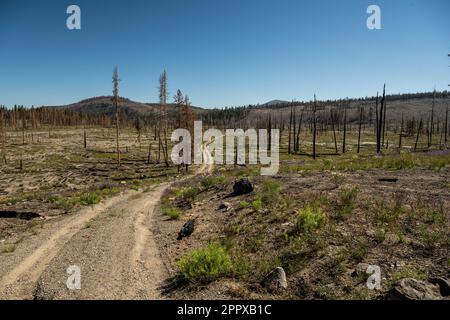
x,y
73,21
374,20
260,150
74,280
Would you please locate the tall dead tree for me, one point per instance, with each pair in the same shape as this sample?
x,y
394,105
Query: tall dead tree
x,y
294,126
297,140
419,129
431,131
163,123
360,125
345,130
333,125
116,108
314,127
384,115
270,132
24,124
400,136
290,128
380,118
83,120
446,127
3,132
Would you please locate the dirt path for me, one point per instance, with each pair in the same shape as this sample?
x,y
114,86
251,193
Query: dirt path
x,y
112,244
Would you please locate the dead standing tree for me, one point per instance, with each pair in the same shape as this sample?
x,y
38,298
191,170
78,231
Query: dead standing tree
x,y
3,133
381,117
345,129
360,125
163,94
116,108
314,127
290,128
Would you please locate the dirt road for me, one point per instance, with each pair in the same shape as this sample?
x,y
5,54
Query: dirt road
x,y
111,243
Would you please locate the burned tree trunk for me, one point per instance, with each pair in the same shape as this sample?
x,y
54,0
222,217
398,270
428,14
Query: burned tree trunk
x,y
290,128
446,127
419,129
297,140
3,132
314,127
400,136
116,108
431,131
359,129
345,130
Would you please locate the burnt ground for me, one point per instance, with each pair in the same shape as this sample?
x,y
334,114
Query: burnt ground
x,y
396,219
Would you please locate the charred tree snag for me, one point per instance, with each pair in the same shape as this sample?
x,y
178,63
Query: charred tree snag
x,y
116,108
314,127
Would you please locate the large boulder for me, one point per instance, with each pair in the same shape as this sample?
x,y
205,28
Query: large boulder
x,y
276,280
412,289
242,186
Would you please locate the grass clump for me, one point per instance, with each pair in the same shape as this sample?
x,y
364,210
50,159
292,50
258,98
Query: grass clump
x,y
244,204
205,264
211,181
347,199
310,219
189,193
270,192
257,204
172,212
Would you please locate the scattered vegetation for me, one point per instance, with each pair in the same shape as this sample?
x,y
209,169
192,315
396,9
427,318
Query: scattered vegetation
x,y
205,264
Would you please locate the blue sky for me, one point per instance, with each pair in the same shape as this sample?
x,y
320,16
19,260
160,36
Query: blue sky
x,y
221,53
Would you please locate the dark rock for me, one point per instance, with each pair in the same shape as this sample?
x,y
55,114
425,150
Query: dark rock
x,y
187,230
276,280
412,289
444,285
242,186
225,206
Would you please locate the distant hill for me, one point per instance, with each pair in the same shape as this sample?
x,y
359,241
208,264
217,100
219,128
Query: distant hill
x,y
274,103
103,106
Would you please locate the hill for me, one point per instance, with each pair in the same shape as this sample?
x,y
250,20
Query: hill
x,y
103,106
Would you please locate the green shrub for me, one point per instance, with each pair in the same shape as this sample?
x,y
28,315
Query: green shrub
x,y
205,264
380,235
244,204
270,192
172,212
347,199
310,219
89,198
189,193
257,204
210,181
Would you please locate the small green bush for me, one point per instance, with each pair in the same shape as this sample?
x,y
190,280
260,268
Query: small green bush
x,y
310,219
347,199
270,192
211,181
89,198
244,204
172,212
205,264
257,204
189,193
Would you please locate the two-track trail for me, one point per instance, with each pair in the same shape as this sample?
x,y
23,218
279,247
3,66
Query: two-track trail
x,y
112,243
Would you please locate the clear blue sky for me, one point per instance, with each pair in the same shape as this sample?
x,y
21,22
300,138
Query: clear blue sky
x,y
221,52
